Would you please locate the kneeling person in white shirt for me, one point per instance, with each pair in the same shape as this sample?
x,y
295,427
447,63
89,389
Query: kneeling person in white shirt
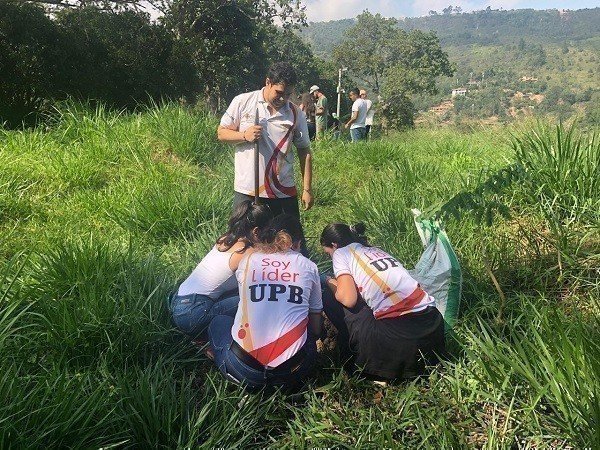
x,y
272,340
211,289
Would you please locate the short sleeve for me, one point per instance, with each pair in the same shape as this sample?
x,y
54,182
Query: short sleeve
x,y
231,118
301,138
315,301
355,106
341,262
239,273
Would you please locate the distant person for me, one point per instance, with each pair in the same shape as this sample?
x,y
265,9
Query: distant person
x,y
322,110
386,322
307,105
370,113
357,119
271,343
211,289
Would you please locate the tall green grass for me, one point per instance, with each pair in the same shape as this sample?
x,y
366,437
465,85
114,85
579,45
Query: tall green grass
x,y
562,184
102,212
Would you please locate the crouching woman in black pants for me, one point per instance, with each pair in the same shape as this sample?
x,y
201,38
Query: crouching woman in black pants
x,y
385,321
271,343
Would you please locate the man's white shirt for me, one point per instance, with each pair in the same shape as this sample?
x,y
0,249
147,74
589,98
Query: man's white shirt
x,y
359,106
286,126
370,112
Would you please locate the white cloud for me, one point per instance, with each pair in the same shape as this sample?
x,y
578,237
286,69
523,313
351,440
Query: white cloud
x,y
324,10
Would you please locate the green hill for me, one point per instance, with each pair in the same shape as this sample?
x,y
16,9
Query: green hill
x,y
557,51
488,27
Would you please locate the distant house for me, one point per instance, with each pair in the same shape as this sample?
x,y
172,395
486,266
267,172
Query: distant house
x,y
459,91
532,79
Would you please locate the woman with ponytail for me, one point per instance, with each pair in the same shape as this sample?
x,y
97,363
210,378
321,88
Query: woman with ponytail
x,y
271,343
387,325
211,289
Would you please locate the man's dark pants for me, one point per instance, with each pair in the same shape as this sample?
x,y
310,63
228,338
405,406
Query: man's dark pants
x,y
288,205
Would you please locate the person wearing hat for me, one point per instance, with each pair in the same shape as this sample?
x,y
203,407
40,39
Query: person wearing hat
x,y
321,111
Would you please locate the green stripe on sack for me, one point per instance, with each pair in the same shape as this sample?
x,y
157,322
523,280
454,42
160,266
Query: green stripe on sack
x,y
454,291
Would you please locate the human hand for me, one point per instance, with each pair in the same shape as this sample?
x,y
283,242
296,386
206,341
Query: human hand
x,y
346,126
252,133
307,199
332,283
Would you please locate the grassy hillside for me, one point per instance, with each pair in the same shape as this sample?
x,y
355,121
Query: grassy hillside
x,y
101,213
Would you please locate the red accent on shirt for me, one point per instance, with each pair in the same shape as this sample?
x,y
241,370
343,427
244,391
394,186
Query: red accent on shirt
x,y
273,350
271,168
404,306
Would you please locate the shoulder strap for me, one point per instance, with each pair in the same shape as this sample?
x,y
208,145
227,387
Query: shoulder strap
x,y
295,113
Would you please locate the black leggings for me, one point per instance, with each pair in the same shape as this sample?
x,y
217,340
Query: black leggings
x,y
400,347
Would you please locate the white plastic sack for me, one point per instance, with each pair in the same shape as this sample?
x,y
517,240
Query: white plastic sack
x,y
438,270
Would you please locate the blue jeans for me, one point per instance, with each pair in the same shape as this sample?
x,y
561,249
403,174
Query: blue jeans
x,y
235,370
358,134
193,313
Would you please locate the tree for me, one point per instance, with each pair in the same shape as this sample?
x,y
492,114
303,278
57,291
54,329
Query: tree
x,y
366,48
121,59
284,45
30,57
393,62
106,5
229,40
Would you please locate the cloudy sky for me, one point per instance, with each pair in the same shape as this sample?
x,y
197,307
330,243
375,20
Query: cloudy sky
x,y
322,10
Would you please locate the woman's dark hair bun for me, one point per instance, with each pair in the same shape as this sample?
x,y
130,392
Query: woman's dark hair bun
x,y
358,229
267,235
342,234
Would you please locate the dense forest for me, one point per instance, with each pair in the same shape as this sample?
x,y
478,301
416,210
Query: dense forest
x,y
113,53
512,63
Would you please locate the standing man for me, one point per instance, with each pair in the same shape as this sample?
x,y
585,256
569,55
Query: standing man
x,y
321,111
359,115
281,123
370,113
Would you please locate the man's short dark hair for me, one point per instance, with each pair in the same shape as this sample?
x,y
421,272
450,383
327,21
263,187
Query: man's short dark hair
x,y
282,72
355,91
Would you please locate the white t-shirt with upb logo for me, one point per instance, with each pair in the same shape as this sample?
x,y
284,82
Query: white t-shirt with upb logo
x,y
277,292
286,126
384,284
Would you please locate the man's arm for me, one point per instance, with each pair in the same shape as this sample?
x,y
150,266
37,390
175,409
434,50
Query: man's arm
x,y
236,137
352,119
305,157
